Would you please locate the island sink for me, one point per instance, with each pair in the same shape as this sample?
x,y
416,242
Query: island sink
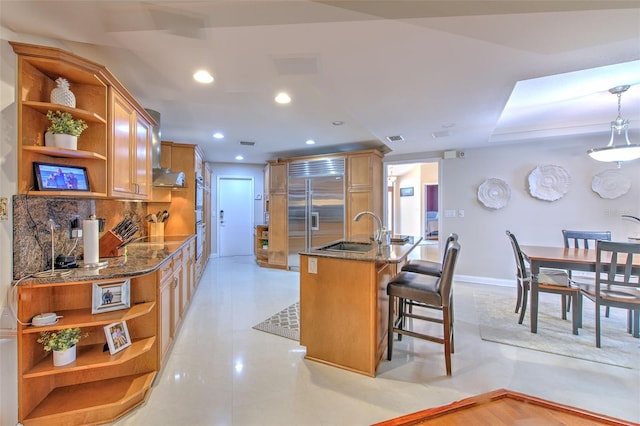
x,y
348,246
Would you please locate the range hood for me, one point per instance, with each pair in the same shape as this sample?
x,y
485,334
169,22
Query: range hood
x,y
162,177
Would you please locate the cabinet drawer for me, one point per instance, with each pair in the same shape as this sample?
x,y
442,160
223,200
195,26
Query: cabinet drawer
x,y
165,271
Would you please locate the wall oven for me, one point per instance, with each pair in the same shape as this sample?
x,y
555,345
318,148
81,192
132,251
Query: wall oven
x,y
200,224
199,192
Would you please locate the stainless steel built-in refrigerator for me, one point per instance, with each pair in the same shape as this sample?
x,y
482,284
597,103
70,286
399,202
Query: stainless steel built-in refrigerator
x,y
316,205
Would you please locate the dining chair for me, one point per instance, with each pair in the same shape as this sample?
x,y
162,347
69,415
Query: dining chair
x,y
615,283
428,292
555,281
428,267
574,239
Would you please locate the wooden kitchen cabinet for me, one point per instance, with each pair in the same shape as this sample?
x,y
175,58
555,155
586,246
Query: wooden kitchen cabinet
x,y
278,251
364,191
344,311
38,68
66,395
130,148
114,148
164,278
261,235
177,295
278,177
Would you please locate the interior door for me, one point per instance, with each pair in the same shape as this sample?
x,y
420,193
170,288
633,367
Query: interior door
x,y
235,216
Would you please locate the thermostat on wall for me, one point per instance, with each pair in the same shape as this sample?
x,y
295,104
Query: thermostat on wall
x,y
44,319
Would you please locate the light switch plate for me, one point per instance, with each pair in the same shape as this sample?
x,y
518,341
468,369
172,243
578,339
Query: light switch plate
x,y
313,265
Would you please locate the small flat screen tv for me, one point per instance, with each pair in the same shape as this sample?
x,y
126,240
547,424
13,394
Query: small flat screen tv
x,y
59,177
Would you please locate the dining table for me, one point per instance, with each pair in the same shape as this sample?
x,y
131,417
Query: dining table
x,y
574,259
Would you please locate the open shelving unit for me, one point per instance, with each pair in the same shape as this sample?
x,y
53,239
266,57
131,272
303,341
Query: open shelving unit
x,y
97,387
261,253
38,68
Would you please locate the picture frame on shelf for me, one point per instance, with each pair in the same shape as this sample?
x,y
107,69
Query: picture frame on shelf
x,y
110,296
118,337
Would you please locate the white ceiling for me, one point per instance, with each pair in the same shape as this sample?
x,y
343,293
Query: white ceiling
x,y
476,72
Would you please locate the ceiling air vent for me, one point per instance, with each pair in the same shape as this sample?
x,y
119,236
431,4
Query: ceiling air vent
x,y
396,138
247,143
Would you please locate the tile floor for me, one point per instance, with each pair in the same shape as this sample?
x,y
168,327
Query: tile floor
x,y
223,372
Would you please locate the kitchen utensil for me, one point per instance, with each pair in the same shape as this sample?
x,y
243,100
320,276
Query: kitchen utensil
x,y
151,218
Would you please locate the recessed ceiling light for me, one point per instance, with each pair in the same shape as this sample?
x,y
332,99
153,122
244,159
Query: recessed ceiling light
x,y
337,123
239,157
218,135
310,142
283,98
202,76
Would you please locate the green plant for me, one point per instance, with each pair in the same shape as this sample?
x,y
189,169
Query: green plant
x,y
63,122
62,339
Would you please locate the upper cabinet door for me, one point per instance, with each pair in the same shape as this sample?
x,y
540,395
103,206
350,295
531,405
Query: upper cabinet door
x,y
143,157
123,121
130,158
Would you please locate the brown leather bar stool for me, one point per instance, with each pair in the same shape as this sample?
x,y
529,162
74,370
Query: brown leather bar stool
x,y
428,292
428,267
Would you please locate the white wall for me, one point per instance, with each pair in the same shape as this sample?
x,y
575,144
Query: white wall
x,y
485,249
8,187
256,171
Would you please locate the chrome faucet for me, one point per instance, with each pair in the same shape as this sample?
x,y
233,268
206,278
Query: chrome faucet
x,y
378,234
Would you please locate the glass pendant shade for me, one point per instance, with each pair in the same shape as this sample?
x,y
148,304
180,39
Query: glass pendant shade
x,y
625,151
617,153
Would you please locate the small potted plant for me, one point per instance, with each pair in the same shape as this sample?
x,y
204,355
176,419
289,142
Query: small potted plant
x,y
64,130
265,244
62,343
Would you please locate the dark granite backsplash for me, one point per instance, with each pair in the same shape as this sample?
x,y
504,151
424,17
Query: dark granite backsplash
x,y
31,227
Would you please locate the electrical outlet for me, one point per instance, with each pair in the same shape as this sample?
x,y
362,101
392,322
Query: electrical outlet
x,y
4,208
7,321
75,231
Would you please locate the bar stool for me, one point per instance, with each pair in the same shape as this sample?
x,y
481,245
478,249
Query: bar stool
x,y
428,267
424,291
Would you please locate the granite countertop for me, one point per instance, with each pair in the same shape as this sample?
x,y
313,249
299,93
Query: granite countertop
x,y
140,257
394,253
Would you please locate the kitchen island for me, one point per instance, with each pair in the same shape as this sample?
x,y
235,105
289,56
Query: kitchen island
x,y
344,304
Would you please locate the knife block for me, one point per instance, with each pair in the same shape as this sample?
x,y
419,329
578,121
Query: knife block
x,y
109,245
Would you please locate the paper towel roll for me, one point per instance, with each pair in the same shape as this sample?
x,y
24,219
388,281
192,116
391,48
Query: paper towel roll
x,y
90,241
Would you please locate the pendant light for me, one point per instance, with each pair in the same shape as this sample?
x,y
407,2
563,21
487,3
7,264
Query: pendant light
x,y
619,127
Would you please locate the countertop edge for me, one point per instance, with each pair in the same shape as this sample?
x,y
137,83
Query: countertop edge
x,y
154,255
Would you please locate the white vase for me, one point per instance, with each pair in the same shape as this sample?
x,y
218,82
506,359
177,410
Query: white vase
x,y
64,357
60,140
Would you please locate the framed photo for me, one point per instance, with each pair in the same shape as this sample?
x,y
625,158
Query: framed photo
x,y
60,177
406,192
117,336
110,296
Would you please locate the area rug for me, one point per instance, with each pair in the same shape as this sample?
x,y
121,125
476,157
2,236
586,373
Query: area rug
x,y
285,323
498,323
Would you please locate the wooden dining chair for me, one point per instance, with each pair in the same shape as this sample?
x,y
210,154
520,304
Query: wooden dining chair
x,y
555,281
616,284
583,239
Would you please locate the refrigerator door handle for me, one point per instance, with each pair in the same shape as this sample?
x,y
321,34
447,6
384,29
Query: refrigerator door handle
x,y
315,221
